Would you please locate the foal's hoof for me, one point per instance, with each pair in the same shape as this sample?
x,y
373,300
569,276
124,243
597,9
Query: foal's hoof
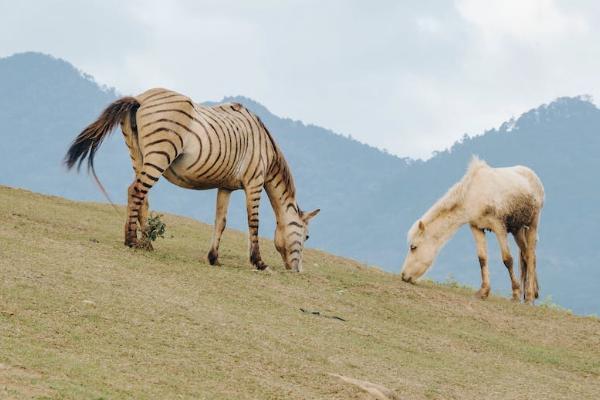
x,y
483,293
261,266
516,297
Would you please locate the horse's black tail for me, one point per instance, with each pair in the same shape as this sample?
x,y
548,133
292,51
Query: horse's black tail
x,y
89,140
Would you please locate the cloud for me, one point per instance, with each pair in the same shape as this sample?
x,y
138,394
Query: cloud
x,y
408,76
531,20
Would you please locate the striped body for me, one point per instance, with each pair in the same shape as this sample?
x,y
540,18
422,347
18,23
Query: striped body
x,y
224,147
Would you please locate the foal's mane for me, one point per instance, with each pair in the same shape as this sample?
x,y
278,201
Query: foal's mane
x,y
453,197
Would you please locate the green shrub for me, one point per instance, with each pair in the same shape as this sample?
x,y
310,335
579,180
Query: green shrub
x,y
154,229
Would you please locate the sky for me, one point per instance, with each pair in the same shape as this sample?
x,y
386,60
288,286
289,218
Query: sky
x,y
410,77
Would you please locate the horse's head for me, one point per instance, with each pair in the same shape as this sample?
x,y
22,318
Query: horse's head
x,y
290,236
421,253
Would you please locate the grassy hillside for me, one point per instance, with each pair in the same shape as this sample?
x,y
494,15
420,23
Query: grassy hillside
x,y
82,317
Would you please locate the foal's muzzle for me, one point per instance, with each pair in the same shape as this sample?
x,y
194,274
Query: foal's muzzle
x,y
406,278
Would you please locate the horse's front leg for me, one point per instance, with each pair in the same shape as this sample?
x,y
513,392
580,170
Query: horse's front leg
x,y
252,203
479,236
223,196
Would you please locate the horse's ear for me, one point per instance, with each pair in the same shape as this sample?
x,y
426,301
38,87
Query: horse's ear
x,y
421,226
306,216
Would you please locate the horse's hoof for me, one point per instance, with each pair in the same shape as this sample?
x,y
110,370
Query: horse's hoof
x,y
261,266
142,245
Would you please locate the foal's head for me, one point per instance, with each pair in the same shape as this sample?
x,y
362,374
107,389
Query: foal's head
x,y
421,253
290,236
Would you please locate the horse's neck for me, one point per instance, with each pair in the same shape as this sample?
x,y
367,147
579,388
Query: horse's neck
x,y
282,193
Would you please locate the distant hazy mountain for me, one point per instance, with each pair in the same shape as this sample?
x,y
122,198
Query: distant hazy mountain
x,y
368,198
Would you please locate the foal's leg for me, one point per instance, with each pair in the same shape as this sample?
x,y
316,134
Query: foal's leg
x,y
531,289
252,202
521,240
502,236
479,236
223,196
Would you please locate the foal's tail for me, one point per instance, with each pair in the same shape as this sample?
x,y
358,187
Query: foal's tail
x,y
89,140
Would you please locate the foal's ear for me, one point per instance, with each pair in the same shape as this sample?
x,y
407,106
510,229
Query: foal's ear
x,y
421,226
306,216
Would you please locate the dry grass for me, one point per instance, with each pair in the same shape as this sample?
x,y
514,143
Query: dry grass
x,y
83,317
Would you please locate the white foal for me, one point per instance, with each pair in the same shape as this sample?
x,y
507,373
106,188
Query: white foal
x,y
502,200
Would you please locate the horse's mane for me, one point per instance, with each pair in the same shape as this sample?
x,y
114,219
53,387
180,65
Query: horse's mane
x,y
280,163
284,169
453,197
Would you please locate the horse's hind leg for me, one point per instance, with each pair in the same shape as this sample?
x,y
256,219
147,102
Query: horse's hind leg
x,y
132,216
479,236
152,169
223,196
143,222
507,259
135,215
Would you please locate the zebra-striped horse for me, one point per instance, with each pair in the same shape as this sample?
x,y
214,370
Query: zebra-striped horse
x,y
224,146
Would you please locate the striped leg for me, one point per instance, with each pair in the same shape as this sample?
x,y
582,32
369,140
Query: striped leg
x,y
223,196
143,220
252,202
132,216
151,171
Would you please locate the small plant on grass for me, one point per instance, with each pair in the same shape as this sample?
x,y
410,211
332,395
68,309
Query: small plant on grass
x,y
155,228
453,283
547,302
